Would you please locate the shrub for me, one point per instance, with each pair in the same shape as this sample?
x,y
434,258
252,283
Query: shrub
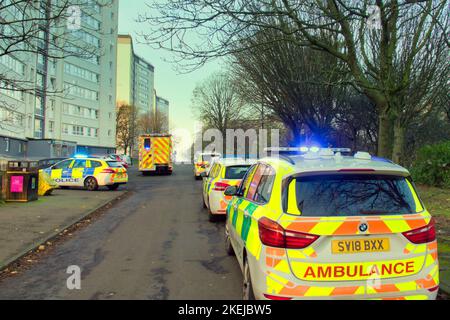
x,y
432,165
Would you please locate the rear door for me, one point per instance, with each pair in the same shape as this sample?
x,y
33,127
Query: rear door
x,y
359,219
162,149
145,153
78,168
209,181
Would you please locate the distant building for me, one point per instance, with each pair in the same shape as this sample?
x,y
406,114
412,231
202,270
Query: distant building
x,y
162,109
135,77
79,119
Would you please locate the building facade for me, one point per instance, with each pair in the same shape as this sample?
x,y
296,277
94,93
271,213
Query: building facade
x,y
73,108
135,77
162,111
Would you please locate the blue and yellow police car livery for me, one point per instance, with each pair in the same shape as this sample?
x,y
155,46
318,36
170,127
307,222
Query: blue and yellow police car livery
x,y
90,173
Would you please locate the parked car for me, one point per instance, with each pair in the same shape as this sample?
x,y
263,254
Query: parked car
x,y
119,158
88,172
327,226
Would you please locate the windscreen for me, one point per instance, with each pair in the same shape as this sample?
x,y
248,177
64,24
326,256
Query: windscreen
x,y
354,195
236,172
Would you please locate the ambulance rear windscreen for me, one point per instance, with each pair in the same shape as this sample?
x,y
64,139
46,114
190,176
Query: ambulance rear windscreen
x,y
354,195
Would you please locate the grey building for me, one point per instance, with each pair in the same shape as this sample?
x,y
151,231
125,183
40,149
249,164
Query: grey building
x,y
79,113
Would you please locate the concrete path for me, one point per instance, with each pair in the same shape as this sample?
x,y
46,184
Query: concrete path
x,y
23,226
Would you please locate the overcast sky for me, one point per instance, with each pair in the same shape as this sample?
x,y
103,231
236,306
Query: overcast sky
x,y
169,84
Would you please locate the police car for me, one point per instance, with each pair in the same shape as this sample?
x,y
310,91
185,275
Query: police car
x,y
321,225
90,173
224,173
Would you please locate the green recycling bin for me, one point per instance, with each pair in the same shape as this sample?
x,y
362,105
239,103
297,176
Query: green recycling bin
x,y
22,181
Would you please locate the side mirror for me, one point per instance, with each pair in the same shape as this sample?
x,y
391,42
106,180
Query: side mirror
x,y
231,191
204,175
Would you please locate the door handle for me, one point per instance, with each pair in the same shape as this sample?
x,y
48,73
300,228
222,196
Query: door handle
x,y
246,214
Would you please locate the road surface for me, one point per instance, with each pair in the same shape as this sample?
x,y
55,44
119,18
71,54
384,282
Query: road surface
x,y
155,244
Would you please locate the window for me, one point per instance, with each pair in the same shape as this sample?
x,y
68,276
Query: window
x,y
215,170
80,72
246,182
7,144
353,195
51,126
38,126
62,165
253,185
81,92
96,164
79,164
13,64
264,189
236,172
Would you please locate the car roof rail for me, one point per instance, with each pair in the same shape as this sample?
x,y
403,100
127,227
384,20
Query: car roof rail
x,y
286,158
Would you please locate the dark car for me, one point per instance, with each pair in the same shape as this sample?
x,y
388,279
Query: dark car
x,y
46,163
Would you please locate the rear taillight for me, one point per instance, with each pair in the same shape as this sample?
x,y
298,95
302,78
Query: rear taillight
x,y
220,186
274,235
108,170
422,235
276,298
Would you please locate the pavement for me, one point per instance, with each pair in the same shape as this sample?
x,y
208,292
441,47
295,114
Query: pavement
x,y
23,226
156,243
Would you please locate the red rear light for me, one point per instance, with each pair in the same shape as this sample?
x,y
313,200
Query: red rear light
x,y
299,240
422,235
278,298
108,170
274,235
433,289
220,186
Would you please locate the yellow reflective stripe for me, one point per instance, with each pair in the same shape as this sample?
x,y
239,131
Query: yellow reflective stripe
x,y
325,228
319,291
296,254
429,261
253,243
420,248
419,207
406,286
292,199
417,297
397,226
283,266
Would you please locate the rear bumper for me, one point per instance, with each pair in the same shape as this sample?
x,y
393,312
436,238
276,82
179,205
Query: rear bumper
x,y
271,275
217,203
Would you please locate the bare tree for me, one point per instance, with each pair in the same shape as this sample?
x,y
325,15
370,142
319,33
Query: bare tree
x,y
297,84
217,103
153,122
126,131
381,45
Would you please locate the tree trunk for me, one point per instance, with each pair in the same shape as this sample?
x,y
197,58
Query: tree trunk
x,y
399,143
384,136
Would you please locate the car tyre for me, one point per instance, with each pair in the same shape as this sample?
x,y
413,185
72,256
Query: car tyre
x,y
113,187
212,217
228,247
203,201
247,286
91,184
